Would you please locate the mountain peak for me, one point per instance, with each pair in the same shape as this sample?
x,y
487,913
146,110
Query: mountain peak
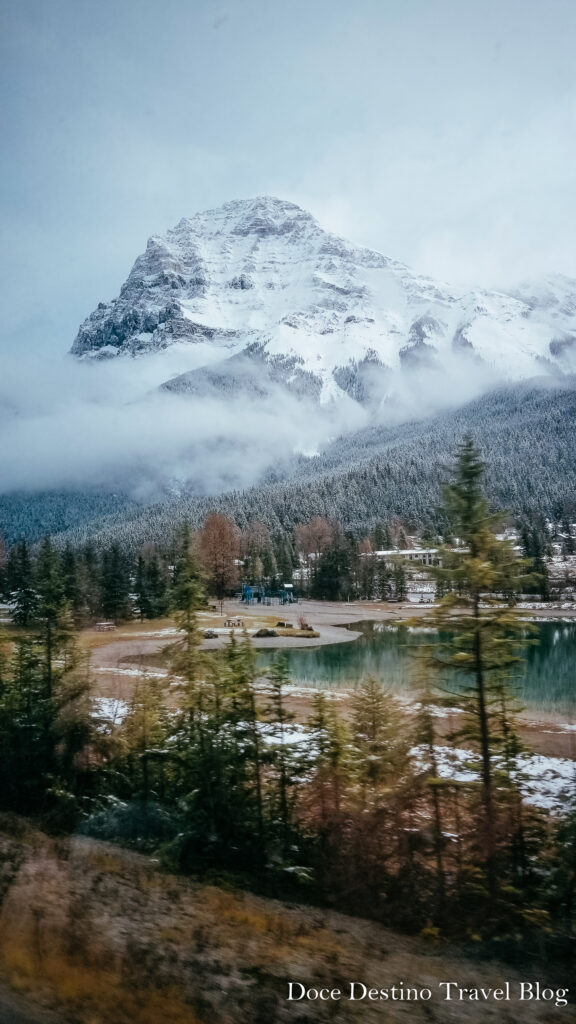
x,y
261,275
260,215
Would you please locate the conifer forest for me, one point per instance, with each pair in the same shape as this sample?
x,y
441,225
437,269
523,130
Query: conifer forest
x,y
213,771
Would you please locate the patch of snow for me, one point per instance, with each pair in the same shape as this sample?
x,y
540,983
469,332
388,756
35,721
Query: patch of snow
x,y
152,634
109,711
136,672
545,782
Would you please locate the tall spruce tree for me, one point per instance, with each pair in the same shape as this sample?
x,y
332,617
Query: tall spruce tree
x,y
115,583
481,636
51,612
284,762
20,585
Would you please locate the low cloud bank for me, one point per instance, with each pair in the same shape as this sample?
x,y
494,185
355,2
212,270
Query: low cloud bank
x,y
65,423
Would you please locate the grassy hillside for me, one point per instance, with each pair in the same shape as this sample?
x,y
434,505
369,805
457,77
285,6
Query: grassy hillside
x,y
104,937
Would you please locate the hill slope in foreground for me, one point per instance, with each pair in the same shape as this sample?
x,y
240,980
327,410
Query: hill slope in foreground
x,y
100,935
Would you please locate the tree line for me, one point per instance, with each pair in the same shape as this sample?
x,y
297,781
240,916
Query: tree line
x,y
323,560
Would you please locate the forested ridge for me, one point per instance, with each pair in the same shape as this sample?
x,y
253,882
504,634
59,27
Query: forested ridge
x,y
31,515
525,432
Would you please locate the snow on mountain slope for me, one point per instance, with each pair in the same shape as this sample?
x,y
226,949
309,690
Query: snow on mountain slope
x,y
272,296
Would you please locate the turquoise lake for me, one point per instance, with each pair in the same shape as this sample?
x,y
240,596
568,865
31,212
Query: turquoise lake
x,y
545,682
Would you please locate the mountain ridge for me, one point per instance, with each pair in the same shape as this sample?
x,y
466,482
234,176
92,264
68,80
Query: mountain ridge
x,y
262,279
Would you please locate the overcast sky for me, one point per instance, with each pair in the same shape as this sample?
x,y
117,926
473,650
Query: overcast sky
x,y
441,132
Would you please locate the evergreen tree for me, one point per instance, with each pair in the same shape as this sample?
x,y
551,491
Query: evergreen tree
x,y
144,735
383,580
282,759
70,583
188,597
115,584
331,742
51,607
332,575
399,580
217,748
141,591
377,744
481,636
43,730
20,585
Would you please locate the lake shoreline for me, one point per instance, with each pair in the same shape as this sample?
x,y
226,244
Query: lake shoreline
x,y
118,658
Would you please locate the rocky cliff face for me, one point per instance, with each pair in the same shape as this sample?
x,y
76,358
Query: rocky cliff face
x,y
279,301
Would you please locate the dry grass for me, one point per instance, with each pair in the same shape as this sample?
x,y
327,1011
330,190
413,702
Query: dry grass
x,y
91,993
307,633
106,938
89,639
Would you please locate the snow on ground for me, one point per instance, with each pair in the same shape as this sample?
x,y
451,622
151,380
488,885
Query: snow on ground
x,y
109,711
307,691
546,782
158,674
293,734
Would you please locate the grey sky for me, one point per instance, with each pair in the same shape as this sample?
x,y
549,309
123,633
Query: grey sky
x,y
442,132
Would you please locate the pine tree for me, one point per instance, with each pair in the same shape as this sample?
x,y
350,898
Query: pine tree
x,y
331,742
20,585
144,735
217,750
383,580
243,719
70,583
282,757
188,597
115,584
157,584
42,730
435,786
482,635
399,578
54,624
377,743
89,582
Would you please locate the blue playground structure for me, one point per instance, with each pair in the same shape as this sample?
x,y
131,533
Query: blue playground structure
x,y
259,594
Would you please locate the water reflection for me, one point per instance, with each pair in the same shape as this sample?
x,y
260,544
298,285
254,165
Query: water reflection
x,y
546,680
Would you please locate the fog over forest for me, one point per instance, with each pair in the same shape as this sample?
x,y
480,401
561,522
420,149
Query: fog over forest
x,y
68,423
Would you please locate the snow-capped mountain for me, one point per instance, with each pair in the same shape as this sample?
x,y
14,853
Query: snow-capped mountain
x,y
273,299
